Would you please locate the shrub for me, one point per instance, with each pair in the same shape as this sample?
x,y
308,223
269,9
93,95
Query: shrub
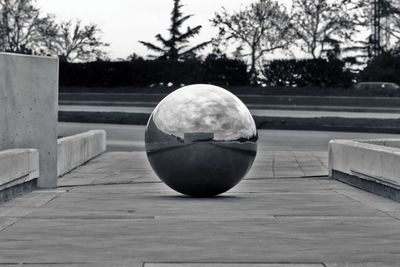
x,y
383,68
307,72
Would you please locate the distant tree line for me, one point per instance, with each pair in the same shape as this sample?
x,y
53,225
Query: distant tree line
x,y
25,29
224,71
325,31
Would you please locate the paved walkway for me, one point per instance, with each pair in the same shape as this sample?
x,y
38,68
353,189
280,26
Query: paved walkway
x,y
114,212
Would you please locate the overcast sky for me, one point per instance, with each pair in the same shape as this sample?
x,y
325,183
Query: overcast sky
x,y
124,22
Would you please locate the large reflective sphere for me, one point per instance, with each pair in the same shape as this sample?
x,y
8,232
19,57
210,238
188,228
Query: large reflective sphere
x,y
201,140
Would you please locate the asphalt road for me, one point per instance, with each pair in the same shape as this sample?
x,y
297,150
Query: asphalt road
x,y
151,99
256,112
131,137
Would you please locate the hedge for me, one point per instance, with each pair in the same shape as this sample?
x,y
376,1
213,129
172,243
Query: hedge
x,y
218,70
140,72
307,72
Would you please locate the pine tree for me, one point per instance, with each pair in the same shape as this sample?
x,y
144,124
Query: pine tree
x,y
176,47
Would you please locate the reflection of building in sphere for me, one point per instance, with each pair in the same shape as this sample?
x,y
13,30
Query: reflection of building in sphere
x,y
201,140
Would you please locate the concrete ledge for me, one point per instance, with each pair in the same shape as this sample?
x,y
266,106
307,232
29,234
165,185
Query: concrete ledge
x,y
75,150
18,166
17,190
368,185
373,165
391,142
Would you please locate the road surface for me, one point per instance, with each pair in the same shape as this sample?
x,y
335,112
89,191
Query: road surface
x,y
131,137
256,112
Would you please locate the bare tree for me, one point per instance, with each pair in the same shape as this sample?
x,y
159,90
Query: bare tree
x,y
23,29
75,41
260,28
386,26
176,47
322,25
395,32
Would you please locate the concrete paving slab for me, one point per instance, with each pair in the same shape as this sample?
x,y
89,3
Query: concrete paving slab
x,y
364,264
288,172
233,265
313,171
284,164
314,163
122,215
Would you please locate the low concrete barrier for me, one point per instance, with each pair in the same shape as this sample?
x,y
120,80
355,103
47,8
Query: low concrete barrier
x,y
390,142
19,170
75,150
373,165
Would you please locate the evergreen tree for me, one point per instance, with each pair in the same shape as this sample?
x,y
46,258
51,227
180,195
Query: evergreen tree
x,y
176,47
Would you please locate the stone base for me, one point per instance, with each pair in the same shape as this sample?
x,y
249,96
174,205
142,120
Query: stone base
x,y
368,185
17,190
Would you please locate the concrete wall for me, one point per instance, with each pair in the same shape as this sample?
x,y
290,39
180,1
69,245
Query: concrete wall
x,y
365,160
28,109
18,166
75,150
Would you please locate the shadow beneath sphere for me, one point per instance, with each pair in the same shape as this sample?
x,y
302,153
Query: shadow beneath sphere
x,y
189,198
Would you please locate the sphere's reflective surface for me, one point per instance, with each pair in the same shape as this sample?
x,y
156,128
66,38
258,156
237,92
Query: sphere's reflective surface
x,y
201,140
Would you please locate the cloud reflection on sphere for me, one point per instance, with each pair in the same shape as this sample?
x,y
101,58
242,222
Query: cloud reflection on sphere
x,y
201,140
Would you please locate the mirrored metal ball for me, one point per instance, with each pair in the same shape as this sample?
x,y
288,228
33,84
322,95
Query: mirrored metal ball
x,y
201,140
